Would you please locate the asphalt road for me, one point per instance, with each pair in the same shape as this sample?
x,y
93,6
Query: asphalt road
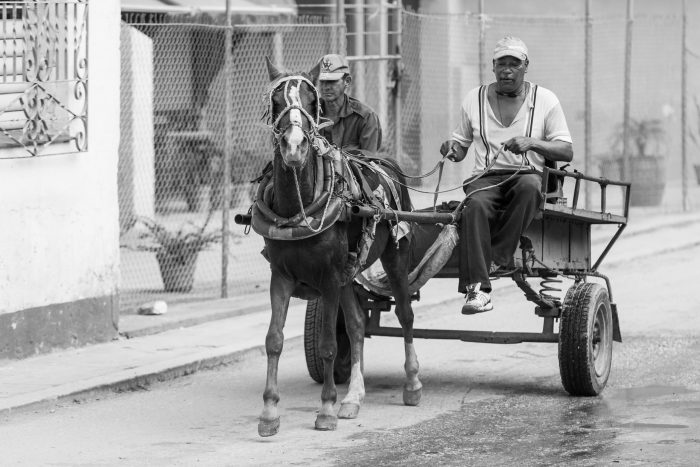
x,y
482,404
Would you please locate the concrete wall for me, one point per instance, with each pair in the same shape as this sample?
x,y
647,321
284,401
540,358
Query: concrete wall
x,y
59,237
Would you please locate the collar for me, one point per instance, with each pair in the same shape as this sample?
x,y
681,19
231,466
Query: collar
x,y
527,86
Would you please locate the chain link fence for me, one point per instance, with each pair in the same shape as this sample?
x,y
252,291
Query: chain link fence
x,y
174,120
172,149
442,62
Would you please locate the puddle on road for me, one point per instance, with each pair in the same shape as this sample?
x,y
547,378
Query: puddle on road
x,y
652,426
648,392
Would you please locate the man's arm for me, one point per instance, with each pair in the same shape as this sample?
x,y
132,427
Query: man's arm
x,y
553,150
456,148
371,134
556,143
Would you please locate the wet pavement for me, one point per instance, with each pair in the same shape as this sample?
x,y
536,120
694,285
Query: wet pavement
x,y
502,422
482,404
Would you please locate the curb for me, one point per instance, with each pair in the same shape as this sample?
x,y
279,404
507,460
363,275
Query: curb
x,y
132,383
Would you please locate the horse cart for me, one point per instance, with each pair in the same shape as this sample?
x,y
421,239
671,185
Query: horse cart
x,y
556,245
325,214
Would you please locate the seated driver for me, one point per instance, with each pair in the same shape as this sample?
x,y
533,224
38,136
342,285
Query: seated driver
x,y
527,121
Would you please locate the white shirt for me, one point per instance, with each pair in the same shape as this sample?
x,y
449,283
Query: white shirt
x,y
549,124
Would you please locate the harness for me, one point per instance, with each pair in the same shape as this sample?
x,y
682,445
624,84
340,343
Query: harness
x,y
337,177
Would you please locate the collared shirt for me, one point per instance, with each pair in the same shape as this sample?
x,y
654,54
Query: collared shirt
x,y
355,127
548,124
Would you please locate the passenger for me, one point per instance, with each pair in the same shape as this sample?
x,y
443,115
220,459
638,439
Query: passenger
x,y
355,125
527,121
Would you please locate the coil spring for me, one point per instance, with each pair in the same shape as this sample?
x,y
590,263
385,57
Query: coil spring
x,y
546,288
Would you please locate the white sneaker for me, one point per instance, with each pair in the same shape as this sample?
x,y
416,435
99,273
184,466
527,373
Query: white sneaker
x,y
478,301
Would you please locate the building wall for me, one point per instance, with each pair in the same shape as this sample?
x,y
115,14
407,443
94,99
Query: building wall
x,y
59,235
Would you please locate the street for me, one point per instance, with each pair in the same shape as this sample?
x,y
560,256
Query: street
x,y
482,404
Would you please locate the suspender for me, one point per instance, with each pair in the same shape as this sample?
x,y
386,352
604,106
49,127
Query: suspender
x,y
532,119
483,119
532,110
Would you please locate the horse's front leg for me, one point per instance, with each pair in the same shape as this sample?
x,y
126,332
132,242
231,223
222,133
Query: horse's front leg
x,y
396,263
326,418
355,327
280,291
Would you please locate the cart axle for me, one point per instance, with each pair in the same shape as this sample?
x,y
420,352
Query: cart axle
x,y
484,337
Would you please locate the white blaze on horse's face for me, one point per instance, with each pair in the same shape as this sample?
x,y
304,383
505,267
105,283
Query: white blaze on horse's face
x,y
294,144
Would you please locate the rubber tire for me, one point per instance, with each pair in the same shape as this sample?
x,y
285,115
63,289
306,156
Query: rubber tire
x,y
312,336
585,340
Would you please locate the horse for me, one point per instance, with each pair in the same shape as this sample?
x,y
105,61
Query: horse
x,y
315,259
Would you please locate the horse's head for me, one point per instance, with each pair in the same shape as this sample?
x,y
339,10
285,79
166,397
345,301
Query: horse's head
x,y
294,111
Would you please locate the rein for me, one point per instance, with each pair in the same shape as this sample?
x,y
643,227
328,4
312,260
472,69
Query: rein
x,y
439,165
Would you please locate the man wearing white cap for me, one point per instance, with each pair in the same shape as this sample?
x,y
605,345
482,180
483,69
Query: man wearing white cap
x,y
511,128
355,125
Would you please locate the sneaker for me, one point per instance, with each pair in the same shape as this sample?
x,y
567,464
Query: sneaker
x,y
496,270
478,301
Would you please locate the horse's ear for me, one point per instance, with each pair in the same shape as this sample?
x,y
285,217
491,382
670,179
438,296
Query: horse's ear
x,y
272,70
315,72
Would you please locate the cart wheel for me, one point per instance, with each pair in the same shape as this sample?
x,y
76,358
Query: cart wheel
x,y
312,337
585,340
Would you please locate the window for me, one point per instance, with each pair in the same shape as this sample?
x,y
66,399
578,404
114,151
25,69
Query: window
x,y
43,77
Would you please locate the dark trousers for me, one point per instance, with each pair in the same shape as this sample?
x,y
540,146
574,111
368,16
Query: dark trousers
x,y
493,221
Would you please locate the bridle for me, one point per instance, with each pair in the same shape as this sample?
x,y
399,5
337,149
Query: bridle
x,y
292,86
292,99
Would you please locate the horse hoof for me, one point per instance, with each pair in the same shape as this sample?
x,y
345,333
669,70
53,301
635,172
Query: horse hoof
x,y
268,427
412,398
348,410
326,422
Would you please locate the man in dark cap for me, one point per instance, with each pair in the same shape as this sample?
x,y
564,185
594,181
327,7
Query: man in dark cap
x,y
355,125
512,128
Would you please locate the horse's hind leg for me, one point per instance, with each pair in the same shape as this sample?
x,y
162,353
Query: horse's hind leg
x,y
280,292
326,418
355,326
395,263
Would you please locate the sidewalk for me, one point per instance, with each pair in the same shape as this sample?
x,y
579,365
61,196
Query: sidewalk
x,y
192,337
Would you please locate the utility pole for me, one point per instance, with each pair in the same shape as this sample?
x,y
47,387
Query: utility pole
x,y
587,102
684,110
626,163
482,40
228,144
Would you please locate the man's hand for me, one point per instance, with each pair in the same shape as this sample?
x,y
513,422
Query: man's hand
x,y
552,150
453,150
519,145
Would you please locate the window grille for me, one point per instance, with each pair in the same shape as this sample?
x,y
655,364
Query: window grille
x,y
43,77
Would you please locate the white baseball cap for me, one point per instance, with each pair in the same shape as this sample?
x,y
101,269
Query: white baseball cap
x,y
510,46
